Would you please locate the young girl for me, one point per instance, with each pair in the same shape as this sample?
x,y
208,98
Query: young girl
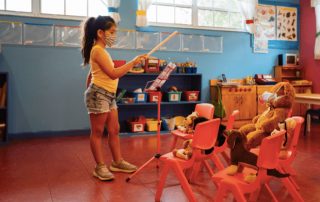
x,y
100,95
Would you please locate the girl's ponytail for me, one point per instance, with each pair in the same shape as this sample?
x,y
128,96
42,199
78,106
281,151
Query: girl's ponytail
x,y
89,34
88,37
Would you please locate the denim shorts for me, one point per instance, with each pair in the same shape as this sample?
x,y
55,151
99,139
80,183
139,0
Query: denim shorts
x,y
99,100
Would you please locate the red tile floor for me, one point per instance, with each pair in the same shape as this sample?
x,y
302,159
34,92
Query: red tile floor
x,y
59,169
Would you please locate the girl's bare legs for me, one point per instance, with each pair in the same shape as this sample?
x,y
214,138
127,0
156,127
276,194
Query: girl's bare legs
x,y
113,128
119,165
97,122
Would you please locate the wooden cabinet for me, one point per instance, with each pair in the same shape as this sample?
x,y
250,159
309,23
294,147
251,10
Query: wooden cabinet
x,y
287,73
240,97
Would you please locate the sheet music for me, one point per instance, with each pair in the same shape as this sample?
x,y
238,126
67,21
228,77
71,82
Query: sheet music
x,y
162,78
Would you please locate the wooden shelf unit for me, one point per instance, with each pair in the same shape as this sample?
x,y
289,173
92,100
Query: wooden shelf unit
x,y
182,81
287,73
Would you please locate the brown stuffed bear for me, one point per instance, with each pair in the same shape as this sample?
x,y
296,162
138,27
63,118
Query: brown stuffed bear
x,y
263,124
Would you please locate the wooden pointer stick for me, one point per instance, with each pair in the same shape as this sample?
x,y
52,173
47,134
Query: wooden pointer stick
x,y
161,43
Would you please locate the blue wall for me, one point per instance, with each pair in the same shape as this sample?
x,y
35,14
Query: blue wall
x,y
47,83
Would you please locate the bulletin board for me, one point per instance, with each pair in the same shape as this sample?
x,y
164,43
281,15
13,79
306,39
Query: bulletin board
x,y
284,33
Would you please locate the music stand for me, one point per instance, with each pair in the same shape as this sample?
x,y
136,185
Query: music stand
x,y
157,83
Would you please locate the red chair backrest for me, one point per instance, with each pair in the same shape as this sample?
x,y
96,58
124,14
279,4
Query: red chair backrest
x,y
205,134
205,110
296,132
269,151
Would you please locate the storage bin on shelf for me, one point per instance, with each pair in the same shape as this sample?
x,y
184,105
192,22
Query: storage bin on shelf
x,y
174,96
152,65
191,95
137,124
151,124
154,96
140,97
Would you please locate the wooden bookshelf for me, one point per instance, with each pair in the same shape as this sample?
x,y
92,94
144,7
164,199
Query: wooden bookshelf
x,y
287,73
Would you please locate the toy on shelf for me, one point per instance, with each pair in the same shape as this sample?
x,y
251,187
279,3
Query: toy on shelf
x,y
173,94
191,95
138,69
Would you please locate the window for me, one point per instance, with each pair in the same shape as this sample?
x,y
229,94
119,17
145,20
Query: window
x,y
211,14
1,4
56,8
74,7
16,5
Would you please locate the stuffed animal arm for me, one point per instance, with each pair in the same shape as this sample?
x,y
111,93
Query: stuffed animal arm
x,y
186,152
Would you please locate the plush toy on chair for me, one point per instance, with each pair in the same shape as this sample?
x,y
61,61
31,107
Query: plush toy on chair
x,y
185,152
188,124
279,102
240,154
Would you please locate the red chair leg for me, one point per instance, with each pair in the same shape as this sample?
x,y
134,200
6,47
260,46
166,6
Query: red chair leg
x,y
162,181
292,190
270,192
217,162
288,169
221,193
183,181
239,196
194,171
254,195
226,157
208,167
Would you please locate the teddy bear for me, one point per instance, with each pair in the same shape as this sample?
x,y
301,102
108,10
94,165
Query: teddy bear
x,y
239,153
188,124
186,152
279,102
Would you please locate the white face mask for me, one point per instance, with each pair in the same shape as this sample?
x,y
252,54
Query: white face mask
x,y
266,96
110,39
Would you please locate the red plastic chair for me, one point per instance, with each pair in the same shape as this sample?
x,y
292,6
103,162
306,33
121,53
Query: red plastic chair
x,y
205,136
223,148
205,110
267,159
288,155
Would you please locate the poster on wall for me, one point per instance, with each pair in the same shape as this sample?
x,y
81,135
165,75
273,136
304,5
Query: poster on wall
x,y
287,23
265,22
260,45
